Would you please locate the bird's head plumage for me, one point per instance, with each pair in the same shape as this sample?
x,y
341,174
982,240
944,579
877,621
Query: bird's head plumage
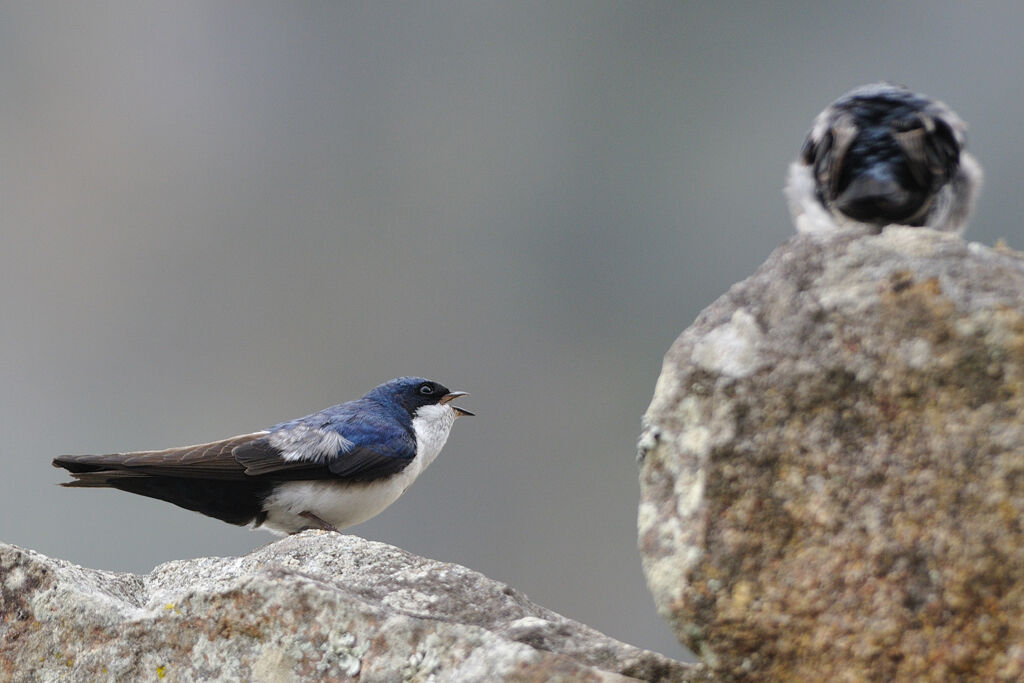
x,y
414,393
883,155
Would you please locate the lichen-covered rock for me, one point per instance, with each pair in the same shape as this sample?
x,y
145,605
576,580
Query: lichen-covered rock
x,y
316,606
832,467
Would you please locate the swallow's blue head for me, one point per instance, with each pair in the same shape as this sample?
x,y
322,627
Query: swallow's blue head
x,y
882,155
414,393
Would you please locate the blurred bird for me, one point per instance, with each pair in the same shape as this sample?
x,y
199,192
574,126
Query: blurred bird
x,y
329,470
882,155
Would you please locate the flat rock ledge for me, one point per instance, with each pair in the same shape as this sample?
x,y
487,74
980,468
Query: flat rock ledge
x,y
315,606
832,466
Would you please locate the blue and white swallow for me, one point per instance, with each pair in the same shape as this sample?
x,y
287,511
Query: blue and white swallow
x,y
329,470
883,155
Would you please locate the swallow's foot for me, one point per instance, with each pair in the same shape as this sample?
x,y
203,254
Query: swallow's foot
x,y
318,523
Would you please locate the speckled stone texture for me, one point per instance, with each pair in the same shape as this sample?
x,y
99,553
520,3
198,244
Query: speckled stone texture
x,y
316,606
832,467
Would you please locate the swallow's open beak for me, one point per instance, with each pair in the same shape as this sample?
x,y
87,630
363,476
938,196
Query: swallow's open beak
x,y
447,398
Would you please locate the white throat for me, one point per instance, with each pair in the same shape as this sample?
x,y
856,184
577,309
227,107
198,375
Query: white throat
x,y
432,424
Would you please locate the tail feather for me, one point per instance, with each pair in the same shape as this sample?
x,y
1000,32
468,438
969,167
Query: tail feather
x,y
77,464
97,478
235,502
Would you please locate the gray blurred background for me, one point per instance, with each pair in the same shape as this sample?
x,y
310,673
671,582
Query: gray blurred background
x,y
216,216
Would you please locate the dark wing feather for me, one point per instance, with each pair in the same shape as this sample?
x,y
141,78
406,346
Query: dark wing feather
x,y
381,446
353,441
259,458
367,464
213,460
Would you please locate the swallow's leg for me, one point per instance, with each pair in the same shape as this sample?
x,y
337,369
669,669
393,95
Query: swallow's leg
x,y
320,524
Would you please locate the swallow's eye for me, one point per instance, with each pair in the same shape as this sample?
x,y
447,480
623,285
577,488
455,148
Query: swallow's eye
x,y
426,389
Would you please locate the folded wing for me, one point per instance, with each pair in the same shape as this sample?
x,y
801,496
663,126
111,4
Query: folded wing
x,y
345,445
353,445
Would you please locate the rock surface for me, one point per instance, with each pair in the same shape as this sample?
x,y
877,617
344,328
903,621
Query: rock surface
x,y
316,606
832,467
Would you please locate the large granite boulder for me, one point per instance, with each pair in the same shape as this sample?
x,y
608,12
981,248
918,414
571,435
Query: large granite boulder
x,y
316,606
832,467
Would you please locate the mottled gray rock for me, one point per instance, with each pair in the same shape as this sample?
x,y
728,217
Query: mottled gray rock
x,y
832,467
316,606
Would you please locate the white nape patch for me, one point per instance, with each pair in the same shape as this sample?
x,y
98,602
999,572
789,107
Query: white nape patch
x,y
953,204
344,504
808,213
307,443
